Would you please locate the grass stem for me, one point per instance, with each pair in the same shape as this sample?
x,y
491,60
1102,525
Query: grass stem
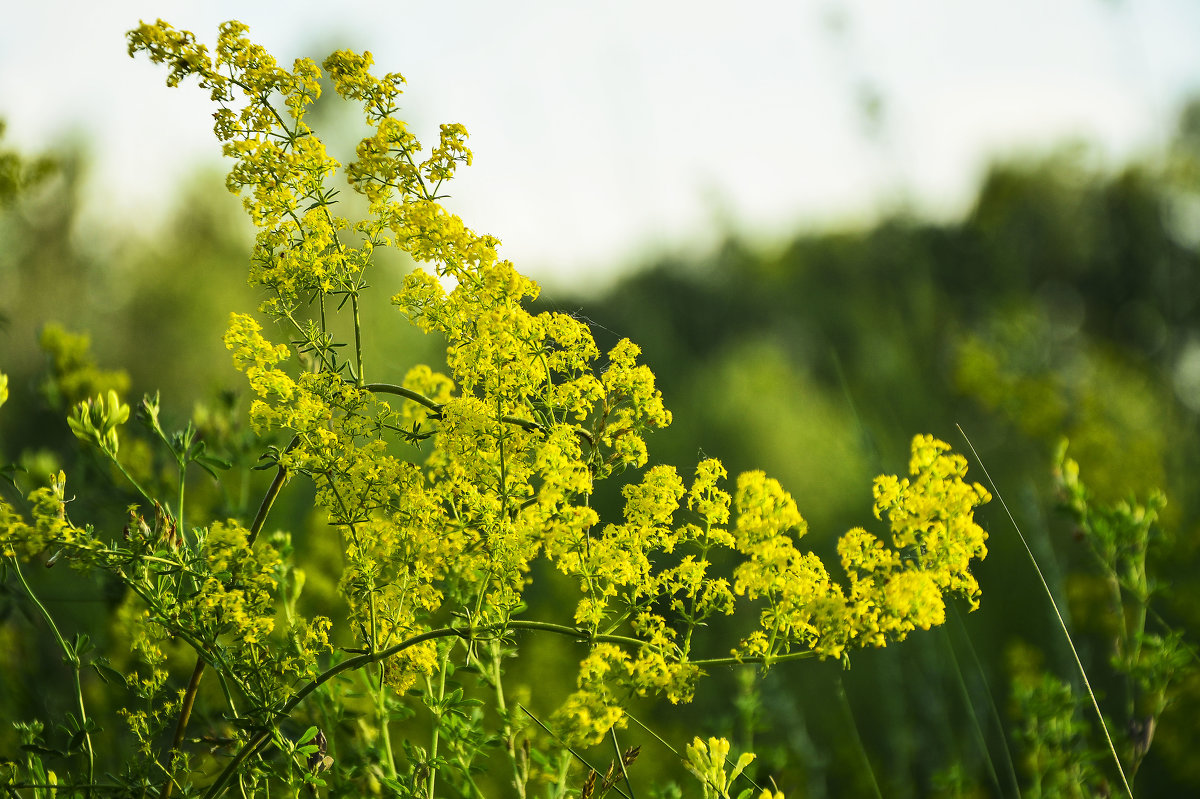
x,y
1057,614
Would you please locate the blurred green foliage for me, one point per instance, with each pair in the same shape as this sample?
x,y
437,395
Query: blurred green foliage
x,y
18,174
1066,302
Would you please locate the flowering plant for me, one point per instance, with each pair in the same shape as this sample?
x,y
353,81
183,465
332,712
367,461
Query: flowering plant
x,y
444,491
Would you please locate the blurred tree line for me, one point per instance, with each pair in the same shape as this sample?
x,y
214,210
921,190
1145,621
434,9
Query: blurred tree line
x,y
1064,303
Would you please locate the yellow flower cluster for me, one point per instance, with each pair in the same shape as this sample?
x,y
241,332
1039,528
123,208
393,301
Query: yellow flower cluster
x,y
892,591
51,528
237,593
528,418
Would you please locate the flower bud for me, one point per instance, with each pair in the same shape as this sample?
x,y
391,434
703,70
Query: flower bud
x,y
96,420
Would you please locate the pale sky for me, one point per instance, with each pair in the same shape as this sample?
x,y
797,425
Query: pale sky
x,y
606,130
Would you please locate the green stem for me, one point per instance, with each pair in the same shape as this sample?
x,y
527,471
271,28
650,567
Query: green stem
x,y
620,758
571,750
994,712
182,484
385,731
260,739
503,463
268,500
844,701
185,713
519,778
358,359
436,407
435,735
72,657
564,768
691,619
407,393
768,660
112,456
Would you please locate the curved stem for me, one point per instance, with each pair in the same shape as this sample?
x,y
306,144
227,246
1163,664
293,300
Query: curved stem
x,y
768,660
261,738
407,393
436,407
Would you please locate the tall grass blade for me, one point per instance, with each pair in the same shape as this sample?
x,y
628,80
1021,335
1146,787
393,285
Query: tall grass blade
x,y
994,712
844,701
563,744
1061,622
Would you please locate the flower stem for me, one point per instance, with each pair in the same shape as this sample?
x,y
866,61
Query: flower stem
x,y
72,657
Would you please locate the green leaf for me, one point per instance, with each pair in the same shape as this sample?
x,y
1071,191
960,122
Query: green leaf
x,y
81,645
746,759
208,469
42,750
76,741
247,724
107,672
212,460
9,473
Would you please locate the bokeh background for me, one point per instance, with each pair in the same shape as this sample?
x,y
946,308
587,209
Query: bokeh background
x,y
830,226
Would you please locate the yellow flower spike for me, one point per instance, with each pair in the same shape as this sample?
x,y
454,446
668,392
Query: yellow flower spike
x,y
96,420
707,761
